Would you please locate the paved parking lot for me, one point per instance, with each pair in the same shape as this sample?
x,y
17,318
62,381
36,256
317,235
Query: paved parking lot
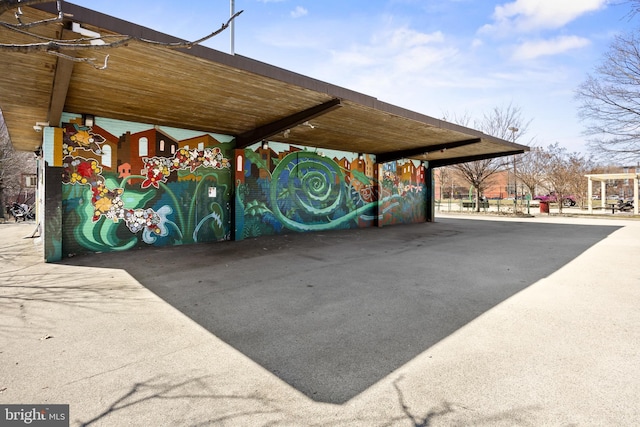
x,y
465,321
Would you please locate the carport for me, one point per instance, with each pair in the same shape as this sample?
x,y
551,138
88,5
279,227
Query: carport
x,y
48,89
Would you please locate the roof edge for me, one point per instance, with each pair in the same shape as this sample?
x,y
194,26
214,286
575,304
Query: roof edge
x,y
121,26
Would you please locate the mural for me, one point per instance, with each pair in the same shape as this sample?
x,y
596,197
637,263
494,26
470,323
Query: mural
x,y
142,188
284,188
403,197
126,185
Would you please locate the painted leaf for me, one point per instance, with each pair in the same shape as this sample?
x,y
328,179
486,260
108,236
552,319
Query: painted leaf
x,y
362,177
256,159
256,207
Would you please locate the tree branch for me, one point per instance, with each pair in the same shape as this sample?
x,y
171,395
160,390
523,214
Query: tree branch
x,y
90,61
189,45
54,46
18,5
6,5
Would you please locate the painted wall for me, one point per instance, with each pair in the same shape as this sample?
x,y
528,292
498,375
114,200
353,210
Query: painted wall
x,y
126,185
130,184
283,188
403,193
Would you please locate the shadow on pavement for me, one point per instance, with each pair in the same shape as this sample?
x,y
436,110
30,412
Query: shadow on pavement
x,y
188,400
333,313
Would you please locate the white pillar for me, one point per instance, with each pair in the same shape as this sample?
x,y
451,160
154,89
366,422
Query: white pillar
x,y
590,194
603,194
635,195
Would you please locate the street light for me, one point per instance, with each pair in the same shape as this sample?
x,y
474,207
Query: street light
x,y
513,130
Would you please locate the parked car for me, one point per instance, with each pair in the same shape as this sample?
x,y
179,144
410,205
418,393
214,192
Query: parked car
x,y
568,201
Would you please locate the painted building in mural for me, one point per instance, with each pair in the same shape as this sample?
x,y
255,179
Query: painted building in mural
x,y
126,185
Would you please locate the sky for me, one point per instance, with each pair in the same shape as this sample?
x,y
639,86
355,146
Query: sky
x,y
441,58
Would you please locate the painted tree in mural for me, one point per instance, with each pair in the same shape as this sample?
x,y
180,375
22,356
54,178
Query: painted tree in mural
x,y
63,47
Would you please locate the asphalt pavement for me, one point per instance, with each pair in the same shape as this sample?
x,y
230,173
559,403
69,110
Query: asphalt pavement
x,y
466,321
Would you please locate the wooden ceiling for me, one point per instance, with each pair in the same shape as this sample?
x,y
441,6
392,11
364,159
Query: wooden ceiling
x,y
204,89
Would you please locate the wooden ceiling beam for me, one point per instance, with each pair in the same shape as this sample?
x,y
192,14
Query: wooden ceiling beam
x,y
405,154
263,132
60,88
61,80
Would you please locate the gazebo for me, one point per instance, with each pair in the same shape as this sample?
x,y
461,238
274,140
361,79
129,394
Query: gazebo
x,y
603,178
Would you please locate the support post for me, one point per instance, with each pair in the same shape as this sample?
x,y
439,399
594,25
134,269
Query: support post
x,y
635,195
378,184
430,199
590,194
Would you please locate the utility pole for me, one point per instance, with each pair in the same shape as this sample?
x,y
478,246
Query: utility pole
x,y
232,29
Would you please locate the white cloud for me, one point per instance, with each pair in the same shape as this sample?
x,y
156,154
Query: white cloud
x,y
407,38
558,45
400,48
353,58
475,43
299,12
399,61
529,15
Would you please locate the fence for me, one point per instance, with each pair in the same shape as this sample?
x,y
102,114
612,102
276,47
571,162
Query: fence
x,y
505,206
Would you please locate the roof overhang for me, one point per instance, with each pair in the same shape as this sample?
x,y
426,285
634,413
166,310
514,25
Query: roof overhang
x,y
211,91
612,176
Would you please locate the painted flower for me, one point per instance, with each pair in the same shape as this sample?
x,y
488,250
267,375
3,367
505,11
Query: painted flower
x,y
85,170
152,179
102,205
133,220
159,225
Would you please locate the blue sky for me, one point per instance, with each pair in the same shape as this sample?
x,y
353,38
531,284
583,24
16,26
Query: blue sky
x,y
454,57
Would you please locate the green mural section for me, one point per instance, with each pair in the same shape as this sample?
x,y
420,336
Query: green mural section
x,y
293,189
142,188
403,195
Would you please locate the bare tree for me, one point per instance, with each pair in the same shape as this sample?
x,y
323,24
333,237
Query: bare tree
x,y
499,122
579,165
558,174
610,101
565,174
479,174
13,165
532,169
444,178
58,47
635,8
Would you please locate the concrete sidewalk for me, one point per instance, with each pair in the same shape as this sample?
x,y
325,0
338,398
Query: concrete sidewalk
x,y
129,344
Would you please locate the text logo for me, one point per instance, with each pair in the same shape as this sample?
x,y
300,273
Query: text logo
x,y
34,415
